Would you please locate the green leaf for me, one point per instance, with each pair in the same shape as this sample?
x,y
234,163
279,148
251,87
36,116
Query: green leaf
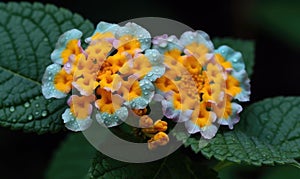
x,y
72,159
246,47
28,34
269,133
176,165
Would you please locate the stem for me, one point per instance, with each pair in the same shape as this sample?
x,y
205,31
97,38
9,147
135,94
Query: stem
x,y
221,165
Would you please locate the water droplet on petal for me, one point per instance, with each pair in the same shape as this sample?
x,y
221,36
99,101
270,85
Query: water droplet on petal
x,y
12,109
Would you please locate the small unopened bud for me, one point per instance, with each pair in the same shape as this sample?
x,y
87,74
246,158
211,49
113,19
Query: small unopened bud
x,y
140,112
159,139
160,125
145,122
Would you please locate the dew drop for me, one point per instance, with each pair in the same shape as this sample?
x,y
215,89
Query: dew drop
x,y
27,104
12,109
50,78
37,105
235,60
37,97
37,113
14,120
44,113
30,117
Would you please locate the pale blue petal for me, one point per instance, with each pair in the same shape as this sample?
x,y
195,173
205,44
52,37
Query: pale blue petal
x,y
191,127
169,111
209,132
234,118
157,62
238,72
165,43
198,36
111,120
74,124
235,58
142,102
62,43
103,27
242,77
137,31
48,88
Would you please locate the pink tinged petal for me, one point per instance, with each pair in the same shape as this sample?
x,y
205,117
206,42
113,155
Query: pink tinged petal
x,y
74,124
209,131
62,43
244,81
191,127
48,88
169,111
165,43
234,118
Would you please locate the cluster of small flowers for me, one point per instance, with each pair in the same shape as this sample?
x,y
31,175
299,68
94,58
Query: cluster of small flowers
x,y
124,69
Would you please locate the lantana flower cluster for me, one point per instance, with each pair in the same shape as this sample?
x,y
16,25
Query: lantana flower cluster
x,y
123,69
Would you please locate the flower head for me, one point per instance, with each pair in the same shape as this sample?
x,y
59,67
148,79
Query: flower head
x,y
122,70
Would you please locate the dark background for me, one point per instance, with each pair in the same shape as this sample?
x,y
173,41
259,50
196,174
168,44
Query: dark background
x,y
271,24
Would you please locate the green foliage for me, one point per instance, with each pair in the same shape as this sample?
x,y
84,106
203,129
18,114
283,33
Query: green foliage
x,y
176,165
268,133
72,159
246,47
280,18
28,34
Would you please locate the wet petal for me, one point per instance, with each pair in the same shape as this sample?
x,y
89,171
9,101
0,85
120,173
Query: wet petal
x,y
145,97
67,45
165,43
74,124
103,30
136,31
52,86
198,37
111,120
157,62
238,71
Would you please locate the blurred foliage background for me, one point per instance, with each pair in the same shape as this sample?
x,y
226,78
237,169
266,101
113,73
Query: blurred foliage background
x,y
273,24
